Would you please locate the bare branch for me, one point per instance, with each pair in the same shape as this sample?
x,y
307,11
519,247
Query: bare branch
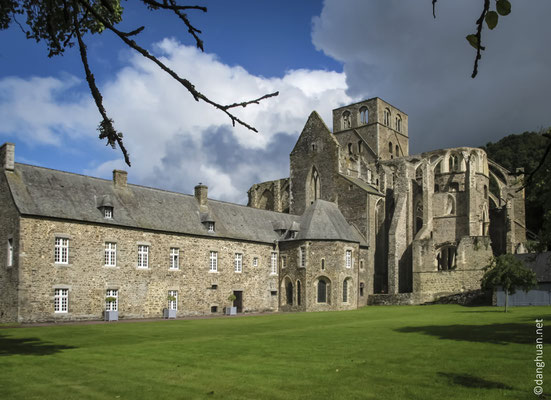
x,y
107,129
530,177
177,9
184,82
165,6
479,47
255,101
134,32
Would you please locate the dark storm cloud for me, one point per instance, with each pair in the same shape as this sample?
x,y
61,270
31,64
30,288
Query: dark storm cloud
x,y
397,51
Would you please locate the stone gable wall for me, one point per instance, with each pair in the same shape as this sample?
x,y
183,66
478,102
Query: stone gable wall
x,y
9,276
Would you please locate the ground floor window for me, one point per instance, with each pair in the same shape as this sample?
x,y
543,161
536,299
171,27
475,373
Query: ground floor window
x,y
322,291
172,299
298,293
112,300
345,291
61,300
289,293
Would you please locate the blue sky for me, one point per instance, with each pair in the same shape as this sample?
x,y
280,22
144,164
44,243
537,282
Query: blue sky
x,y
319,55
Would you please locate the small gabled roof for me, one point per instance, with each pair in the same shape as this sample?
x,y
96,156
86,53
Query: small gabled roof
x,y
323,220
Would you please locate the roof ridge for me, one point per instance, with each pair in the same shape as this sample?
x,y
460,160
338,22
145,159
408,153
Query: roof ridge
x,y
151,188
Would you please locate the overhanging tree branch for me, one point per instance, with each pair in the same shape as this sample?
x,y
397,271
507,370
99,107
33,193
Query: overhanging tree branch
x,y
60,23
184,82
106,128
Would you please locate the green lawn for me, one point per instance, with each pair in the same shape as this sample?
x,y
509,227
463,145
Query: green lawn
x,y
415,352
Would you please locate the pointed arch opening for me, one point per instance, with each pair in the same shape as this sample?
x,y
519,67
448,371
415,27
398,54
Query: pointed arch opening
x,y
323,290
289,292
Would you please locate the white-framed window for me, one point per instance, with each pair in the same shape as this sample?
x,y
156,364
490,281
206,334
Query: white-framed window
x,y
108,212
348,258
255,261
303,256
283,261
111,300
61,251
10,252
61,300
213,261
143,256
210,226
174,258
238,262
110,254
274,263
172,299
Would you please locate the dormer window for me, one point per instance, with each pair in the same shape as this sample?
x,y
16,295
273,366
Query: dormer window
x,y
210,226
108,212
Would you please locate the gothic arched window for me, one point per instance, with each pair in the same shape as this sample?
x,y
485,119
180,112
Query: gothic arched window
x,y
322,291
364,115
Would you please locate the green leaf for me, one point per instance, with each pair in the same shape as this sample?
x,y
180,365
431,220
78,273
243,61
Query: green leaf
x,y
473,40
503,7
491,19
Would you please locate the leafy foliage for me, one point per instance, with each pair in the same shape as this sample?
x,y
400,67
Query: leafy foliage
x,y
508,272
61,23
528,151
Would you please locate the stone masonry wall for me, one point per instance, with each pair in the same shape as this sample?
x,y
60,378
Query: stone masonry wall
x,y
335,271
9,275
316,147
142,292
473,254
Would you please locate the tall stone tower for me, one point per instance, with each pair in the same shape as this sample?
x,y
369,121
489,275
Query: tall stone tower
x,y
382,126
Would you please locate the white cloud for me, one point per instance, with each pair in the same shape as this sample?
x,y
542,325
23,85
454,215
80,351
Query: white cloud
x,y
38,111
175,142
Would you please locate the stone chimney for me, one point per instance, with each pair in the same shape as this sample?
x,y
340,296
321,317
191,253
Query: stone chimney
x,y
7,154
201,193
119,177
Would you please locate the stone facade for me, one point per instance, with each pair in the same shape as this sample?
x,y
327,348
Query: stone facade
x,y
359,221
142,292
430,222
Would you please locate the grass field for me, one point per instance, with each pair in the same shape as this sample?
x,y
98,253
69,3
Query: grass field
x,y
416,352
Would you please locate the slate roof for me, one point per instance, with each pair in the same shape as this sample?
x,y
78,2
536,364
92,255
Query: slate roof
x,y
44,192
323,220
540,263
362,184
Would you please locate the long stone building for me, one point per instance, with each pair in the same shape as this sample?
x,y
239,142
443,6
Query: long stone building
x,y
358,221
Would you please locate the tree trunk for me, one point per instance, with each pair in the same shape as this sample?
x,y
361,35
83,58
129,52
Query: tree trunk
x,y
506,299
